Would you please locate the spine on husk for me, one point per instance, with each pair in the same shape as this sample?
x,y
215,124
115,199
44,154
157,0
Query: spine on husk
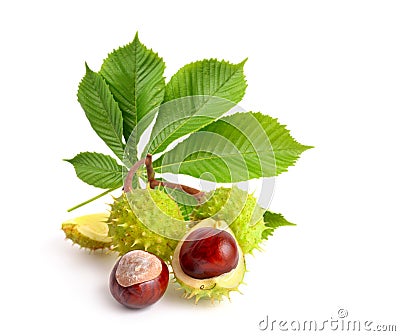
x,y
240,210
89,231
146,219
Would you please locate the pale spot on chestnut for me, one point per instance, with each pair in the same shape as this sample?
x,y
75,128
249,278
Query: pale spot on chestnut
x,y
136,267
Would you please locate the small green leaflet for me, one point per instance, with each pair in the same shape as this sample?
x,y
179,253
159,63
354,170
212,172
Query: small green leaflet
x,y
135,76
208,77
196,95
272,221
98,170
102,111
235,148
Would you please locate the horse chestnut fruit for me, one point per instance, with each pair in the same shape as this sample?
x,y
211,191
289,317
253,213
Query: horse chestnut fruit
x,y
208,252
139,279
208,262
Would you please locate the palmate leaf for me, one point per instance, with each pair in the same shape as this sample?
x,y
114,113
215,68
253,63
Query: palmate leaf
x,y
135,76
122,100
101,110
235,148
272,221
98,170
196,95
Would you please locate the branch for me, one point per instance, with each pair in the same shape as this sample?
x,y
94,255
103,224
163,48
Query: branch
x,y
199,195
128,180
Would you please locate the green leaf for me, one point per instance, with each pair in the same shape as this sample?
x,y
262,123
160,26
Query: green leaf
x,y
208,77
101,110
196,95
272,221
98,170
235,148
135,76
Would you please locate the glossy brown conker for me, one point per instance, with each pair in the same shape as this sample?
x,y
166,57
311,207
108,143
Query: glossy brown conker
x,y
208,252
138,279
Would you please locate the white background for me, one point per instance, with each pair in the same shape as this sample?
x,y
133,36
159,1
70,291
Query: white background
x,y
330,70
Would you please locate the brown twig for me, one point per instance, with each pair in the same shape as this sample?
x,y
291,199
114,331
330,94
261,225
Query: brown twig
x,y
189,190
149,167
129,177
155,183
148,162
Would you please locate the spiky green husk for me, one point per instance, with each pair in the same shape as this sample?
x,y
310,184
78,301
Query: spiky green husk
x,y
215,288
215,294
148,220
240,210
89,231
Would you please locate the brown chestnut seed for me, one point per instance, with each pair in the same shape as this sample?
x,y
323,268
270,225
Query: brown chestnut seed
x,y
208,252
139,279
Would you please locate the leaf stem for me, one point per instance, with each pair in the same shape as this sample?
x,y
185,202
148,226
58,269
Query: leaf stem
x,y
148,162
154,183
149,167
131,173
189,190
92,199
